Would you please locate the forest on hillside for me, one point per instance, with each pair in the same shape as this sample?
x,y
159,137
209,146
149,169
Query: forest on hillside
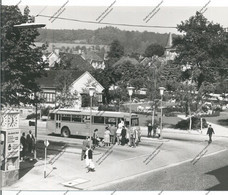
x,y
133,41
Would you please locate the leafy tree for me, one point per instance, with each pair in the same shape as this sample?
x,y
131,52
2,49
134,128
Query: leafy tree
x,y
202,57
154,49
63,81
202,49
116,50
21,60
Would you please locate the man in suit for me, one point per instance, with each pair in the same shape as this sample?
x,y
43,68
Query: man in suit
x,y
30,142
210,131
23,146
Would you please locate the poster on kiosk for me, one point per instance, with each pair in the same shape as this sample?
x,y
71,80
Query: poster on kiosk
x,y
10,144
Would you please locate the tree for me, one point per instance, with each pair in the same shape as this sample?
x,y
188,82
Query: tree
x,y
202,57
202,49
21,60
116,50
63,81
154,49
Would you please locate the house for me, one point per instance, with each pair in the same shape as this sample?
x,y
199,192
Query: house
x,y
52,58
80,84
125,59
94,59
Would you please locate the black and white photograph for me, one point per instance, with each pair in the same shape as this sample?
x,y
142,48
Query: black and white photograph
x,y
114,97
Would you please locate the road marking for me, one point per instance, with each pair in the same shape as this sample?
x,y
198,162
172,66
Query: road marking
x,y
147,172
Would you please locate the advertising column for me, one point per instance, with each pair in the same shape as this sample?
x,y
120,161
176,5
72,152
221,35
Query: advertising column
x,y
10,147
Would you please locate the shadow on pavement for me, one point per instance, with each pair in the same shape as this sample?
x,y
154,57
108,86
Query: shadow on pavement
x,y
222,176
55,149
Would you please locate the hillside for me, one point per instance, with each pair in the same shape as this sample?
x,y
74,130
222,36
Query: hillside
x,y
133,41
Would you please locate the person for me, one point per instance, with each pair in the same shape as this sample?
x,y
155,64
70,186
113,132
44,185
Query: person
x,y
85,143
119,130
155,126
123,136
107,137
113,134
149,130
210,131
30,142
138,135
132,137
89,159
23,146
95,138
2,147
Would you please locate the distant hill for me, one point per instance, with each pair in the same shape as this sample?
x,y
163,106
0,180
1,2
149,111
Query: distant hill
x,y
133,41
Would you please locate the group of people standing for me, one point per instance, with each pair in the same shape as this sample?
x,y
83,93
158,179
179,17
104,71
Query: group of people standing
x,y
27,145
120,135
155,130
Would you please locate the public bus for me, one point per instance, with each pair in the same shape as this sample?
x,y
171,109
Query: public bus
x,y
74,122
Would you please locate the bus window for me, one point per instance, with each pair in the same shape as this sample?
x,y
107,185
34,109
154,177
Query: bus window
x,y
76,118
110,120
66,117
52,116
135,122
85,119
98,119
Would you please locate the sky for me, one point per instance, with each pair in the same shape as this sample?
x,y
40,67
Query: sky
x,y
133,15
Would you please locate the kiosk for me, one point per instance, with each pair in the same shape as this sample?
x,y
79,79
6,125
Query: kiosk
x,y
10,147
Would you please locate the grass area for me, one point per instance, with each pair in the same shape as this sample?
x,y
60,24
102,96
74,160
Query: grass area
x,y
219,120
167,121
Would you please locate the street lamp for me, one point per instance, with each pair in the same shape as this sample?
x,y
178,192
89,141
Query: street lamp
x,y
25,26
91,93
130,92
161,93
30,25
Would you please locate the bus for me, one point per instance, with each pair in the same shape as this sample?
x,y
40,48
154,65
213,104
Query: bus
x,y
74,122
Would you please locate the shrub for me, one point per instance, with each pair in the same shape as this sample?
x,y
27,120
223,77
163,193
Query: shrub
x,y
45,111
184,124
33,116
107,108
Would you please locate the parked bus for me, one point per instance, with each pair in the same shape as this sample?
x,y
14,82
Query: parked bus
x,y
73,122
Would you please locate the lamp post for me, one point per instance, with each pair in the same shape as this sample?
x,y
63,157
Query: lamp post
x,y
130,92
91,93
161,93
26,26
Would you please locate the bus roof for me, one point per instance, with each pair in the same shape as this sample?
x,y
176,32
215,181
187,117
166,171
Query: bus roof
x,y
94,113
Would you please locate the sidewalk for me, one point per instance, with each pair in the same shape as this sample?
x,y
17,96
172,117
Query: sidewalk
x,y
66,171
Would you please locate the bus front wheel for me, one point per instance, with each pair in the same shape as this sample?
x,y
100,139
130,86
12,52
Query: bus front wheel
x,y
65,132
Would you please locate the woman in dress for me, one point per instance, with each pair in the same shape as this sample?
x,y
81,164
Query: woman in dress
x,y
107,137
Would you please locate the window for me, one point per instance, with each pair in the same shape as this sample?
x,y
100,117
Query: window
x,y
99,98
98,119
49,97
134,121
110,120
76,118
86,119
66,117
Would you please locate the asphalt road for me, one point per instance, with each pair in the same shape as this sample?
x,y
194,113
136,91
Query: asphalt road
x,y
209,173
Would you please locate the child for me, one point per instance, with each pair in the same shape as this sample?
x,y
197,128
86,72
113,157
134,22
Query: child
x,y
89,159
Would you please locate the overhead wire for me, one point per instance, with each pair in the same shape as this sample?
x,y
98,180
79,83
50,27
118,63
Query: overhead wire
x,y
106,23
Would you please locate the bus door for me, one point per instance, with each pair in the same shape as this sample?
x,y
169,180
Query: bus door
x,y
58,120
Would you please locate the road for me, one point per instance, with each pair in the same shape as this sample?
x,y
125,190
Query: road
x,y
155,165
209,173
